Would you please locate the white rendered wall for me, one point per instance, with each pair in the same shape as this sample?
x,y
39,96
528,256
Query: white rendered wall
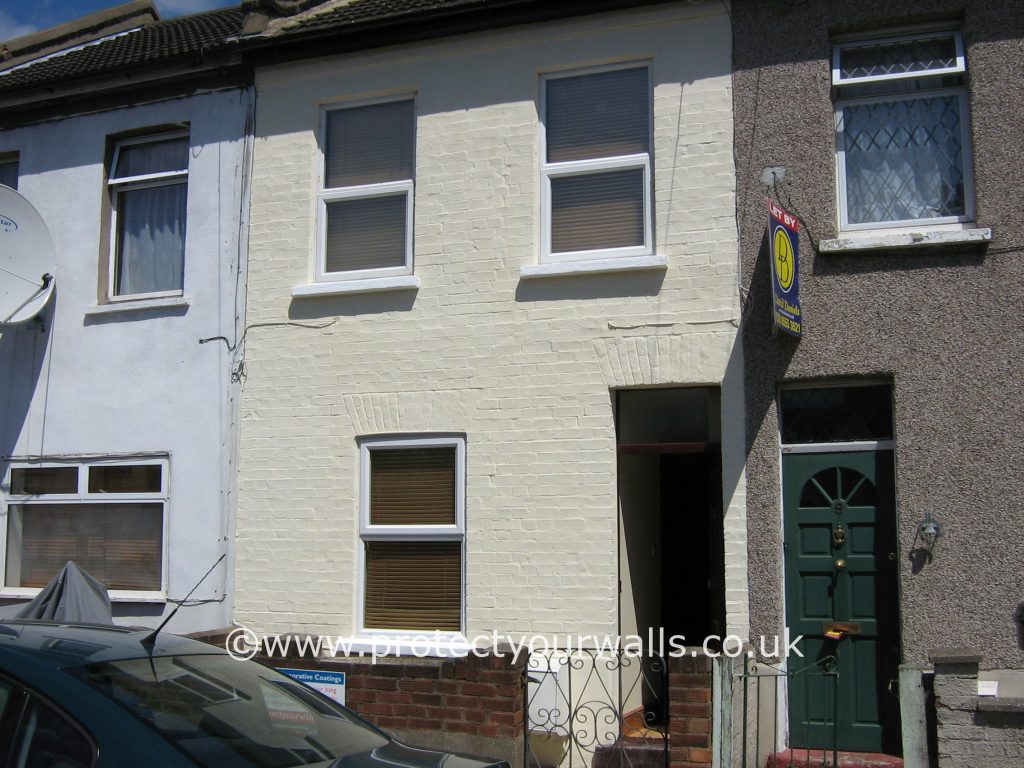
x,y
138,381
524,368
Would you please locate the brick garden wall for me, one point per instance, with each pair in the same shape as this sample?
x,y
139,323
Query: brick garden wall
x,y
471,704
477,705
690,690
479,697
974,731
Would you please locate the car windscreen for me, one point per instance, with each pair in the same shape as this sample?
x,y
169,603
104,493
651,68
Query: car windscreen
x,y
225,713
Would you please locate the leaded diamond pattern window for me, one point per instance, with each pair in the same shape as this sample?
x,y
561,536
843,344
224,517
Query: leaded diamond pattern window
x,y
902,132
836,414
898,58
904,159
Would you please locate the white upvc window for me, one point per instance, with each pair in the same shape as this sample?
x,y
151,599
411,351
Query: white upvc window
x,y
412,531
108,516
902,132
596,164
9,170
148,187
365,202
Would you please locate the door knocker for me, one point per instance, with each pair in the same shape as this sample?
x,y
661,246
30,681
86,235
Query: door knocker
x,y
839,536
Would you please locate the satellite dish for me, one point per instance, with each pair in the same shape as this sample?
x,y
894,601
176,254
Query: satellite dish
x,y
27,259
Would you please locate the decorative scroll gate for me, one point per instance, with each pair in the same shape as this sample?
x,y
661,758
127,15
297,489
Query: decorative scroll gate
x,y
763,688
588,708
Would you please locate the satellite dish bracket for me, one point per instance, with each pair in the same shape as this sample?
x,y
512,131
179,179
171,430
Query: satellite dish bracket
x,y
45,281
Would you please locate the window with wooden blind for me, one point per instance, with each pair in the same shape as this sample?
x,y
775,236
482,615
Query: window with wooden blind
x,y
596,164
413,533
366,196
107,517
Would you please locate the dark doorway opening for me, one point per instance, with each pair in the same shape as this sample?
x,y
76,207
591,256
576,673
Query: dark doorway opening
x,y
691,526
671,548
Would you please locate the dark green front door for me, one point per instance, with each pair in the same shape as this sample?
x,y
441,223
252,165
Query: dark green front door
x,y
841,568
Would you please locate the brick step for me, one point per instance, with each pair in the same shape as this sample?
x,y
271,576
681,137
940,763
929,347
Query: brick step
x,y
817,758
631,753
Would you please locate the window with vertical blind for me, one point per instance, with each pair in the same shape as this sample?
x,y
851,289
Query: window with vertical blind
x,y
108,517
413,533
596,164
365,215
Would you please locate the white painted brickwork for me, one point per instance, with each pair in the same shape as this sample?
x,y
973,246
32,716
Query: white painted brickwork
x,y
116,380
523,367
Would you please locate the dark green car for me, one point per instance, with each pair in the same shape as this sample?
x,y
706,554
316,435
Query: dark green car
x,y
84,696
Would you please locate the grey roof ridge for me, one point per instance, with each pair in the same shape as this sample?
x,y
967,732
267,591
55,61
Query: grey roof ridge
x,y
93,26
297,20
155,27
260,31
66,51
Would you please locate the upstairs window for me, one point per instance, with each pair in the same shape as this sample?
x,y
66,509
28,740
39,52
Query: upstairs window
x,y
902,132
9,171
366,209
106,516
596,164
148,189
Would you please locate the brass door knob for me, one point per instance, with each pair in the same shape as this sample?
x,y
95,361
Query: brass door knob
x,y
840,565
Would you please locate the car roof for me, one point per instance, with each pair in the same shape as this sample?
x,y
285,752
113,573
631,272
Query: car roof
x,y
60,645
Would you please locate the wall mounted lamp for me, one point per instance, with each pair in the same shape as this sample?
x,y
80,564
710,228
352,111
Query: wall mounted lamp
x,y
928,531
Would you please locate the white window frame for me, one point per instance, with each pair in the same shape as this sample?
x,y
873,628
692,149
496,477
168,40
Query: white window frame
x,y
369,532
965,132
838,48
118,184
549,171
327,195
82,496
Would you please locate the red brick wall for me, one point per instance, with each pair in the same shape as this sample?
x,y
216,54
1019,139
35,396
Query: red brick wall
x,y
689,701
473,696
484,698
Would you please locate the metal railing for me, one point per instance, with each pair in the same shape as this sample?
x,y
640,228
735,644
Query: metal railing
x,y
593,708
766,688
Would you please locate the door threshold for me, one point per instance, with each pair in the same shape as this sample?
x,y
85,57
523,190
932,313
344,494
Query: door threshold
x,y
822,758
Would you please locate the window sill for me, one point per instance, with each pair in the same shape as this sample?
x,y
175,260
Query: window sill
x,y
598,266
116,596
405,647
1000,705
371,285
139,305
925,238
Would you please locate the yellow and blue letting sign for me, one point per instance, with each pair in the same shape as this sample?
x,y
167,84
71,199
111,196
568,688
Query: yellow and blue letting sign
x,y
784,244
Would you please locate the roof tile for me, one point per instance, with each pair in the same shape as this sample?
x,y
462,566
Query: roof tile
x,y
364,11
187,37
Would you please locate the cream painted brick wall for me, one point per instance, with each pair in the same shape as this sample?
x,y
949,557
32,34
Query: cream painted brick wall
x,y
523,367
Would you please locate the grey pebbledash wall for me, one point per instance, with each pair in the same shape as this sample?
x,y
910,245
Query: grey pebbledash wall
x,y
986,732
943,325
